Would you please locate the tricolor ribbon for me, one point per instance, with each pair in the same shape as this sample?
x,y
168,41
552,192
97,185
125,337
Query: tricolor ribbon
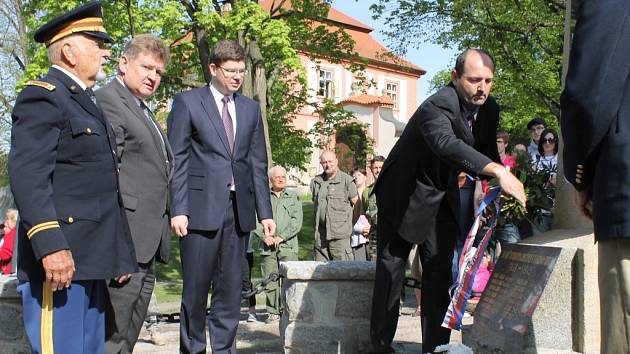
x,y
469,262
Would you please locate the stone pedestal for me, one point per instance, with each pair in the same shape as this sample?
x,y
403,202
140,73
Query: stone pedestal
x,y
584,291
326,307
567,316
13,339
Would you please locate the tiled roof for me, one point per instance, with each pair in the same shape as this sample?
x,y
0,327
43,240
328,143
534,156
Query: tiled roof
x,y
333,14
369,100
365,44
373,50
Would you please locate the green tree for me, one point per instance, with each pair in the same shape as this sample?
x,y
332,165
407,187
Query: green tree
x,y
523,36
13,46
276,77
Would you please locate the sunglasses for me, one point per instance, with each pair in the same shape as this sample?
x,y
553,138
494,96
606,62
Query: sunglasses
x,y
549,140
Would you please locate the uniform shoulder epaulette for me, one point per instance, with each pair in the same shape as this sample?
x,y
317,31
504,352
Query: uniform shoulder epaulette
x,y
43,84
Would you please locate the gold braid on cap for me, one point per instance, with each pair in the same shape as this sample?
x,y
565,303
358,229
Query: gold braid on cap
x,y
89,24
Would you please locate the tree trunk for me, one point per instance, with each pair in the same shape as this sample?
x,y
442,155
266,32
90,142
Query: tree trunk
x,y
255,83
204,51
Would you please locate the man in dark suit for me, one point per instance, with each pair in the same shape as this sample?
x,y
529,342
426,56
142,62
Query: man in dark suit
x,y
145,168
73,233
219,186
596,130
418,200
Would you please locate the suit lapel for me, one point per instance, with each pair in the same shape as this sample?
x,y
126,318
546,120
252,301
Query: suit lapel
x,y
129,101
209,105
78,94
87,104
241,112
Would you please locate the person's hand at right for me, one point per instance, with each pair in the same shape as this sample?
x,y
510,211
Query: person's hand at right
x,y
366,230
59,269
269,241
179,224
277,240
507,181
512,186
584,204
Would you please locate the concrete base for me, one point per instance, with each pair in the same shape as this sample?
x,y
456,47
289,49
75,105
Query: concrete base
x,y
326,307
13,339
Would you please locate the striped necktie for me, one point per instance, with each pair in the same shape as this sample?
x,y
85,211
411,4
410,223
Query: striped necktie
x,y
227,122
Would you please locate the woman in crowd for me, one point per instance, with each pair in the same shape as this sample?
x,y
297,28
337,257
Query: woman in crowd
x,y
6,244
546,160
361,228
547,156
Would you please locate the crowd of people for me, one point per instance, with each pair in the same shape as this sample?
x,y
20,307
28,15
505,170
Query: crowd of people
x,y
103,175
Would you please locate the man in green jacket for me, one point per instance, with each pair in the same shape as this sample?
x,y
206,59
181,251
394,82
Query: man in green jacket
x,y
334,195
283,246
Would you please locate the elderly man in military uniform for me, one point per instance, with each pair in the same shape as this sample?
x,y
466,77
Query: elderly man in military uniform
x,y
334,194
73,232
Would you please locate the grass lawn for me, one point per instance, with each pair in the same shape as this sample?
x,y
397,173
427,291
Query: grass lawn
x,y
169,286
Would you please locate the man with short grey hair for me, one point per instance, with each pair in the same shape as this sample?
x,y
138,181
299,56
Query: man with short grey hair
x,y
145,168
283,246
334,194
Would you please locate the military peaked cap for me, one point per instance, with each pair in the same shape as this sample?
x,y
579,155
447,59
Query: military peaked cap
x,y
86,19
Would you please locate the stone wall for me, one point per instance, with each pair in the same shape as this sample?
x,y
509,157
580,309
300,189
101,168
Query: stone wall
x,y
326,307
13,339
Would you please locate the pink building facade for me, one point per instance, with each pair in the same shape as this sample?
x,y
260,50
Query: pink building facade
x,y
385,101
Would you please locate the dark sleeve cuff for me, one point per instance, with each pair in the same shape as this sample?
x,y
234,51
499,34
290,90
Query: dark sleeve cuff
x,y
46,238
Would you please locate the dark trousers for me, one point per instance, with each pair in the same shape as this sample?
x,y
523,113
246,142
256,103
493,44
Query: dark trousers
x,y
248,263
211,258
126,309
436,257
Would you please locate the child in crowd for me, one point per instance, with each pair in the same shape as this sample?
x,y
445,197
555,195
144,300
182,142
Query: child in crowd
x,y
481,280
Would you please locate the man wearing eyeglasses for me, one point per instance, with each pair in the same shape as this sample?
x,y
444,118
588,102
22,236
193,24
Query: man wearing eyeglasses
x,y
536,126
219,186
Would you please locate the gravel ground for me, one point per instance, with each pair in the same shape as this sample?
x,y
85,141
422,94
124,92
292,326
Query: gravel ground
x,y
260,337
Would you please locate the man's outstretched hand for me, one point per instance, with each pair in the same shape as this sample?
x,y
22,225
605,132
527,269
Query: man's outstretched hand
x,y
507,181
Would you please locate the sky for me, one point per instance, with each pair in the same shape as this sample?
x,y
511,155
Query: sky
x,y
430,57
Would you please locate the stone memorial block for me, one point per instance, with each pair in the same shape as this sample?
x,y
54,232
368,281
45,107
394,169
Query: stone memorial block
x,y
326,306
503,318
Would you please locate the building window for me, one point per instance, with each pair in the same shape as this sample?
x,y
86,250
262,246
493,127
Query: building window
x,y
325,84
391,90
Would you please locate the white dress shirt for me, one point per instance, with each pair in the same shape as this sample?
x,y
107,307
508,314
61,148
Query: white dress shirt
x,y
218,99
72,76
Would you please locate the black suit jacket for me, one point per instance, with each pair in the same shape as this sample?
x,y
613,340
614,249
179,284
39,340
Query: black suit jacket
x,y
63,176
144,172
204,165
595,116
418,183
